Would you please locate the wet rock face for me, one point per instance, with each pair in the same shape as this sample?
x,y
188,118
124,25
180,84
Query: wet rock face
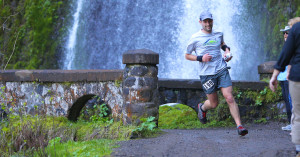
x,y
140,85
3,115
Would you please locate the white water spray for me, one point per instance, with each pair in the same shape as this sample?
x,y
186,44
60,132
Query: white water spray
x,y
110,28
70,53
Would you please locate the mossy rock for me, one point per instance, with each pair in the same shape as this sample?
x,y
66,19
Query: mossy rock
x,y
184,117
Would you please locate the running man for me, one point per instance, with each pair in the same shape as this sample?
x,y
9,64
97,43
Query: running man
x,y
214,74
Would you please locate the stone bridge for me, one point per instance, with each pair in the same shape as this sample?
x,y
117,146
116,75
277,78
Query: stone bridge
x,y
131,93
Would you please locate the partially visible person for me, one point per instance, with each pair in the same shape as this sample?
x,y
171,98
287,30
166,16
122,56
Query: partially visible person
x,y
293,21
291,49
282,78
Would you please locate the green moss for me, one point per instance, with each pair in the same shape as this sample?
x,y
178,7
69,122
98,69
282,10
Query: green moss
x,y
183,117
262,120
102,147
32,33
256,105
263,97
68,84
118,82
276,17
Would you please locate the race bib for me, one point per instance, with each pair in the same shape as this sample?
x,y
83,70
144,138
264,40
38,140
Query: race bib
x,y
208,84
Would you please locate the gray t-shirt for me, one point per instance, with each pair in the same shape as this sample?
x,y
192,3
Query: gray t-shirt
x,y
202,43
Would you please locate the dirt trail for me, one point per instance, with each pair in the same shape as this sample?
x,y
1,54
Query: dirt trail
x,y
263,140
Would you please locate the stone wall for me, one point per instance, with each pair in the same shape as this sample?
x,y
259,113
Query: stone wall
x,y
189,92
140,90
131,94
266,69
60,92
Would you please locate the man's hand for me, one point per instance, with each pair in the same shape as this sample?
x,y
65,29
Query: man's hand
x,y
273,84
206,57
273,81
224,55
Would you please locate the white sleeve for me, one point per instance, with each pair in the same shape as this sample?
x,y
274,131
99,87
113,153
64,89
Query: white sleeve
x,y
191,46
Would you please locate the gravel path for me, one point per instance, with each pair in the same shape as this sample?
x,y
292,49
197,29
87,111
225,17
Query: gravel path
x,y
263,140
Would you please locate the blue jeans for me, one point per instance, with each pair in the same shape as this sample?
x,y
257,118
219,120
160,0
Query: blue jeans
x,y
287,98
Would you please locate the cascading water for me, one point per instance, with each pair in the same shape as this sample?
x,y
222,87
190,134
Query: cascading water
x,y
104,30
71,51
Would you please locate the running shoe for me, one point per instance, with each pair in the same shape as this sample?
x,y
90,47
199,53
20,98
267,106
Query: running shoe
x,y
287,128
201,114
242,131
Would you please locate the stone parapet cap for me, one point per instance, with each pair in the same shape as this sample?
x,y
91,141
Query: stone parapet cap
x,y
266,68
60,75
179,83
196,84
140,56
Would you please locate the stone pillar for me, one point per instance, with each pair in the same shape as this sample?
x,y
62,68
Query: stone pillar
x,y
140,85
265,70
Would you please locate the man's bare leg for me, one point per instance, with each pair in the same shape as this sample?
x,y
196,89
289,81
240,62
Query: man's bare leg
x,y
233,107
211,103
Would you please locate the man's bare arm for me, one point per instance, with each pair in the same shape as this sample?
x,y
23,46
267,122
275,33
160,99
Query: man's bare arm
x,y
190,57
205,58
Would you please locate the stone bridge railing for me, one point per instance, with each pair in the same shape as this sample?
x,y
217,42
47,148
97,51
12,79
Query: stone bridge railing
x,y
131,93
60,92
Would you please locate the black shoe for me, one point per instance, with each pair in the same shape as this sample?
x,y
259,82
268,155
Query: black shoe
x,y
201,114
242,131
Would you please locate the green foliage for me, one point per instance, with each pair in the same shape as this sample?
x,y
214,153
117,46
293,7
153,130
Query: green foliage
x,y
54,141
34,133
4,102
103,110
118,83
260,106
256,106
262,120
183,117
260,98
100,147
146,127
97,112
276,17
31,32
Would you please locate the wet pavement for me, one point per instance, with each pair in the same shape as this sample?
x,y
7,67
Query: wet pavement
x,y
263,140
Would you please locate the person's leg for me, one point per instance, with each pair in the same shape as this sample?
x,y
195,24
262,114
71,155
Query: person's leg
x,y
233,107
285,94
211,103
295,94
209,86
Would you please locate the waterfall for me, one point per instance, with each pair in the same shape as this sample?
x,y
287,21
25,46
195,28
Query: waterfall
x,y
106,29
70,48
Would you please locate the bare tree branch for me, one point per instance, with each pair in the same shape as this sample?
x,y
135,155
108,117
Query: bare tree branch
x,y
3,24
13,51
